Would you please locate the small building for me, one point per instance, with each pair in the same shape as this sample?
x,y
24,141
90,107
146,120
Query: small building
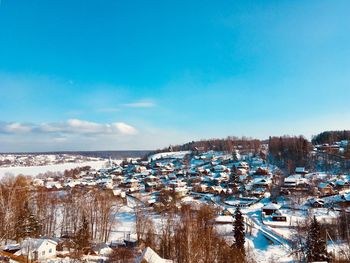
x,y
38,249
102,249
271,208
215,189
317,203
202,188
301,170
224,219
326,189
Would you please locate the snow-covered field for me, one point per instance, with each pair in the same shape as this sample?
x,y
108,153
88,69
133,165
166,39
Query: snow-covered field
x,y
175,155
35,170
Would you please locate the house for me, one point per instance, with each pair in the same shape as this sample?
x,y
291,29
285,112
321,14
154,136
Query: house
x,y
180,191
202,188
241,171
301,170
38,182
102,249
258,192
261,171
53,185
342,185
270,209
224,219
221,168
262,183
326,189
149,256
215,189
345,197
38,249
242,165
150,186
132,184
11,248
294,181
317,203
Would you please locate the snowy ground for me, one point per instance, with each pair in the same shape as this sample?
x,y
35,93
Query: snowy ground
x,y
125,224
35,170
262,250
176,155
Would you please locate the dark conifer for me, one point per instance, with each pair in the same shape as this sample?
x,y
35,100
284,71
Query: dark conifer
x,y
82,238
238,232
315,244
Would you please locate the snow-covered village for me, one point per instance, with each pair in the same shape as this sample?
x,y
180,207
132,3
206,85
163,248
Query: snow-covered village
x,y
192,205
185,131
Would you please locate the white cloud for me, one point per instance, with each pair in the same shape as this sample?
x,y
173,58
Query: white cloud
x,y
76,126
72,126
76,134
124,128
140,104
15,127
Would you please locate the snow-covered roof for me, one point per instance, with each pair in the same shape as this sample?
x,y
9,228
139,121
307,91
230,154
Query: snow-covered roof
x,y
102,249
300,170
272,206
149,256
35,243
224,219
220,167
324,185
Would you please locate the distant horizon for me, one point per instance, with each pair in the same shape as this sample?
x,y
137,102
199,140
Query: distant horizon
x,y
160,148
142,75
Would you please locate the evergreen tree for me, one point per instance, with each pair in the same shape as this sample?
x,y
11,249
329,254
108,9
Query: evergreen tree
x,y
238,232
27,224
32,226
235,156
82,237
235,183
315,244
347,151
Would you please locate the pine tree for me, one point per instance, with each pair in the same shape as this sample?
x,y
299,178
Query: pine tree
x,y
235,156
27,224
238,232
82,237
315,244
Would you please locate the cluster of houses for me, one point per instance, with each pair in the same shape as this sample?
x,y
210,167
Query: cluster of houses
x,y
26,159
51,249
205,173
335,148
229,180
319,184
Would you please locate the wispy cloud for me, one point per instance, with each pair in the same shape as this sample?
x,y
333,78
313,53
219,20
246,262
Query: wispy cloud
x,y
72,126
140,104
15,127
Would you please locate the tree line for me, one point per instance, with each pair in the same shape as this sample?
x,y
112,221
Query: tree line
x,y
330,137
289,152
188,235
33,212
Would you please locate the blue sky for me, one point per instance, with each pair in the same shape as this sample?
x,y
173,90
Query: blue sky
x,y
85,75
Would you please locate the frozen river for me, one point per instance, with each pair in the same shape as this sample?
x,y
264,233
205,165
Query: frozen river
x,y
35,170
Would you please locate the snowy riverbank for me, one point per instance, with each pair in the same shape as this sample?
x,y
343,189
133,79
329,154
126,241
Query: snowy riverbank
x,y
35,170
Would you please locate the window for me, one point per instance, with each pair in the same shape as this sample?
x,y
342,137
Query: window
x,y
43,253
50,250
